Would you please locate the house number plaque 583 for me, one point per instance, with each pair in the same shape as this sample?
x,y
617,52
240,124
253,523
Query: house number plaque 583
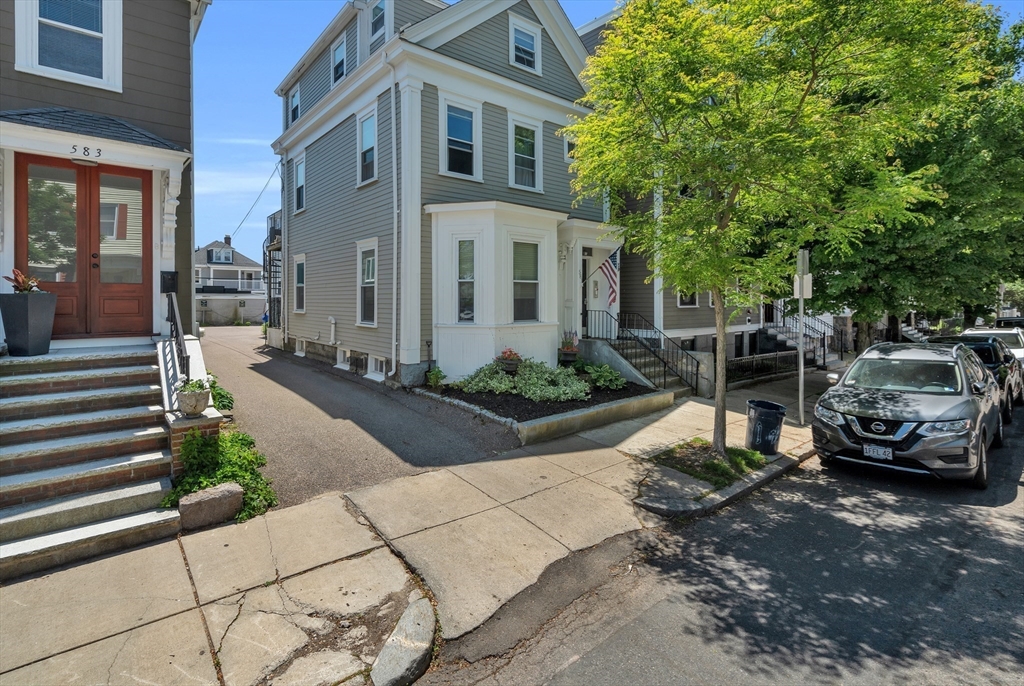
x,y
86,151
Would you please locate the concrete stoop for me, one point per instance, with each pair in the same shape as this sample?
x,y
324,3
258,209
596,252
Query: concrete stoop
x,y
85,457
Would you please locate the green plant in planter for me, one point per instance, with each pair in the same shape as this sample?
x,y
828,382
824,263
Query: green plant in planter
x,y
193,386
28,315
435,376
603,376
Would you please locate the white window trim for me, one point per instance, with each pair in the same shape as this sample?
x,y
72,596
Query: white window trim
x,y
341,359
362,246
360,118
371,373
26,46
294,93
680,305
477,108
300,159
342,40
369,20
565,150
300,347
711,299
517,238
515,120
523,24
296,259
475,239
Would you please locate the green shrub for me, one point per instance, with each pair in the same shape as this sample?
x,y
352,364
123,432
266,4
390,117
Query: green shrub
x,y
232,456
490,378
222,398
435,376
580,364
604,376
538,382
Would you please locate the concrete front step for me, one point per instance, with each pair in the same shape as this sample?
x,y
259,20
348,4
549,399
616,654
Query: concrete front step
x,y
29,487
49,550
73,402
84,358
25,457
41,428
35,519
78,380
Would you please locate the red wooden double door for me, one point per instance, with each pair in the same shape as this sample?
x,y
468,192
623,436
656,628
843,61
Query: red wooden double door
x,y
86,233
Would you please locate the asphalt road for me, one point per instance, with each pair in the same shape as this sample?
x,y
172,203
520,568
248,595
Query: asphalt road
x,y
829,575
322,432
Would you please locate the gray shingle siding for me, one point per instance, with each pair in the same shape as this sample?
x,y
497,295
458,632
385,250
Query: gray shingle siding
x,y
704,315
637,296
591,39
486,46
316,81
337,215
377,42
412,11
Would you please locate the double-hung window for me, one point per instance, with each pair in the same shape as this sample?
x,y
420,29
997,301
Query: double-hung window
x,y
525,282
460,140
300,184
300,283
293,106
467,286
686,300
70,40
525,149
338,59
367,148
366,252
524,44
377,17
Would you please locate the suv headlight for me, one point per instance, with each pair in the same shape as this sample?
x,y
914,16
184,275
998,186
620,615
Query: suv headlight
x,y
937,428
828,416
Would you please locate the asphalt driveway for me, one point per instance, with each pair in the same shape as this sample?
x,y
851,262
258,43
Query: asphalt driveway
x,y
322,432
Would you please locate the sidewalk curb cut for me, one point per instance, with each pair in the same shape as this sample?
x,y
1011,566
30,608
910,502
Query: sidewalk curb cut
x,y
687,508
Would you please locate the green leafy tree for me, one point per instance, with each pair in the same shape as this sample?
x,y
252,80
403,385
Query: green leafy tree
x,y
743,117
53,224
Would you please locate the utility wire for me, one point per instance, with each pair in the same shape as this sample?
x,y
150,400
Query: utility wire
x,y
276,166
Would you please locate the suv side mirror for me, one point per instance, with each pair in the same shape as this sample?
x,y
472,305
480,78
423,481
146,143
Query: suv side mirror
x,y
833,378
978,388
1008,359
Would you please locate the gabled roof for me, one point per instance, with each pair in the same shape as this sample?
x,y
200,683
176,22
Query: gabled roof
x,y
240,259
88,124
440,28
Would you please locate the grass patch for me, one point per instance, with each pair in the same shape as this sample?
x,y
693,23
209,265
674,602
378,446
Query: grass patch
x,y
696,458
231,456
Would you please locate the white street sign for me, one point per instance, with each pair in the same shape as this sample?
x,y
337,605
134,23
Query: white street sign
x,y
807,286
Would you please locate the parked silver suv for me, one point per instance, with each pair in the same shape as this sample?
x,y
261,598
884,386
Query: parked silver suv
x,y
925,409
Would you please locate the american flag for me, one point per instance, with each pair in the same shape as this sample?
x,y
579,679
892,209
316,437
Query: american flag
x,y
610,269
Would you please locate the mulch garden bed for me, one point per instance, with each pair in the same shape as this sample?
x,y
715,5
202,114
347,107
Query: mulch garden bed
x,y
522,409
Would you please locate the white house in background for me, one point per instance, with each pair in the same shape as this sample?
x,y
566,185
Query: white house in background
x,y
229,285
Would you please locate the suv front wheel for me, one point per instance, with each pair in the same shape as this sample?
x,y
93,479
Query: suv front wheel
x,y
980,480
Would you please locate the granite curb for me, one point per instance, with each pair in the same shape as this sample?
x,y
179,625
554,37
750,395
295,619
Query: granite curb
x,y
689,508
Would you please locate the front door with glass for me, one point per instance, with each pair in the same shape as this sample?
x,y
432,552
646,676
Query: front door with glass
x,y
85,232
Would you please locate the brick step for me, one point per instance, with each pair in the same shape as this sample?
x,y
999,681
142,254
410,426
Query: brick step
x,y
46,516
50,550
78,423
55,452
78,380
95,475
85,358
74,402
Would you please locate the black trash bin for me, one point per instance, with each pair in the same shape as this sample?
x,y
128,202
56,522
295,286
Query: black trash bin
x,y
764,426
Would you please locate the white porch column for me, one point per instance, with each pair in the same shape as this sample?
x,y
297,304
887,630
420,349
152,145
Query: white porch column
x,y
410,215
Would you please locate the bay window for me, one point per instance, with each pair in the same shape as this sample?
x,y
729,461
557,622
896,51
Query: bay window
x,y
525,282
466,279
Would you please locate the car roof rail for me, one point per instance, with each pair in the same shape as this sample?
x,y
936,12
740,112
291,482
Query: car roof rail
x,y
957,347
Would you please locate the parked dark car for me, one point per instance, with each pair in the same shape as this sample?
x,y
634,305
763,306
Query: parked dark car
x,y
998,359
912,407
1013,338
1010,322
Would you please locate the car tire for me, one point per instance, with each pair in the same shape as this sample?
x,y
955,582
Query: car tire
x,y
980,480
997,440
1019,400
1007,410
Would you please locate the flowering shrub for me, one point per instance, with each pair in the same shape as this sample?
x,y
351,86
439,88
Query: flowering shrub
x,y
510,354
570,342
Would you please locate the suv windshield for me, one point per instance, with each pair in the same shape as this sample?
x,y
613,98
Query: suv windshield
x,y
1010,338
914,376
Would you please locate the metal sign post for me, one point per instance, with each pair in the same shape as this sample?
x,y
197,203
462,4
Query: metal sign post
x,y
801,271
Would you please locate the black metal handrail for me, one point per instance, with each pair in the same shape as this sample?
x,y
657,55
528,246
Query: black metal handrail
x,y
824,337
631,333
174,317
757,366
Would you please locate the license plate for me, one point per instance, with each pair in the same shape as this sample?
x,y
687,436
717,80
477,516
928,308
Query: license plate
x,y
878,452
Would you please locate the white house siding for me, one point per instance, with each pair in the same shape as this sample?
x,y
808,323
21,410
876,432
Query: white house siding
x,y
486,46
337,215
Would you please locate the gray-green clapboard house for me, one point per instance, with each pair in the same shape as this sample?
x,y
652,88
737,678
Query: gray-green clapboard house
x,y
427,210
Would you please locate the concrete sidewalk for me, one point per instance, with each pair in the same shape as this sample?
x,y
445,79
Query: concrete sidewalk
x,y
481,533
304,595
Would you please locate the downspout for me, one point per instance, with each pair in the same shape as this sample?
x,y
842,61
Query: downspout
x,y
285,270
394,207
334,324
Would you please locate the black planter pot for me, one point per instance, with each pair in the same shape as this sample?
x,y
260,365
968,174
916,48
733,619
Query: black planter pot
x,y
510,366
28,322
567,357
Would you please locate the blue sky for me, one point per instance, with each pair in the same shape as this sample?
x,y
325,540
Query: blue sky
x,y
243,51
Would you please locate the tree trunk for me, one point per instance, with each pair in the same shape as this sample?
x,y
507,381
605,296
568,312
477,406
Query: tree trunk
x,y
864,335
718,440
895,332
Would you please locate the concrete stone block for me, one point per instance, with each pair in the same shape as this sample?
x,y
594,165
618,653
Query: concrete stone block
x,y
210,506
406,654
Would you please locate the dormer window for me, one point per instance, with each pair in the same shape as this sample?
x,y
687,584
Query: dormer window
x,y
338,55
293,106
221,256
77,41
524,44
377,19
